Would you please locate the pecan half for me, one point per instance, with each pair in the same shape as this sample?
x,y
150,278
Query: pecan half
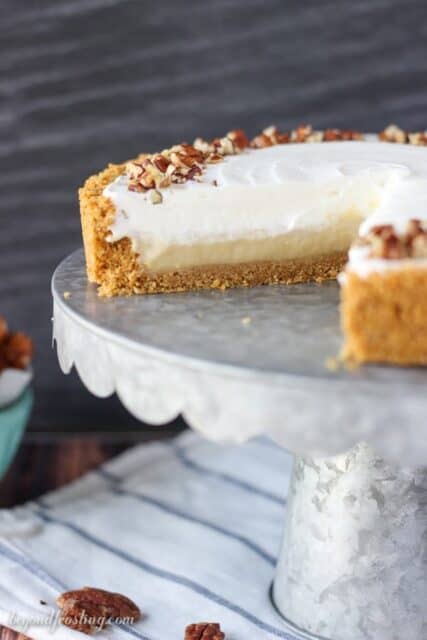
x,y
84,617
204,631
91,609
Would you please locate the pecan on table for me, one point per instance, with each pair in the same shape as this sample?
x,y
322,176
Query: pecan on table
x,y
89,609
204,631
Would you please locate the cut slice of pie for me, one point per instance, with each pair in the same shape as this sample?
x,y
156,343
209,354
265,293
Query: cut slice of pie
x,y
384,296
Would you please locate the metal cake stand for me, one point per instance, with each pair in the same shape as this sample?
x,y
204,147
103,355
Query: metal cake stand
x,y
238,363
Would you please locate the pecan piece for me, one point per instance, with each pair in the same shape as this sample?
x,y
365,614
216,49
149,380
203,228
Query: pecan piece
x,y
261,142
204,631
83,617
161,163
418,138
156,197
238,138
18,350
393,133
331,135
269,137
419,246
385,242
302,133
3,329
89,609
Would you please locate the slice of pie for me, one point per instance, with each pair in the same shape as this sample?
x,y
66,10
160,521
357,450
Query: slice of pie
x,y
384,296
232,213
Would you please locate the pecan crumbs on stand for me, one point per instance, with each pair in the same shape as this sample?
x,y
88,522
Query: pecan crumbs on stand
x,y
89,610
204,631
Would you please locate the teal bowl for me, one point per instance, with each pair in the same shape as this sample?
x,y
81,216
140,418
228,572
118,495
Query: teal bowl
x,y
13,422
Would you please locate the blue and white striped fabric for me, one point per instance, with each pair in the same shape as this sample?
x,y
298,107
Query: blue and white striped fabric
x,y
188,529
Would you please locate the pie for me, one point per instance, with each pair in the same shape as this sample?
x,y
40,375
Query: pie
x,y
280,209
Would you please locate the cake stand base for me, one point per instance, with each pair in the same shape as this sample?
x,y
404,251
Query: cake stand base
x,y
353,563
243,362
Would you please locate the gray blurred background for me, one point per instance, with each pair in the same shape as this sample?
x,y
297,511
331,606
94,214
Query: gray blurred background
x,y
86,82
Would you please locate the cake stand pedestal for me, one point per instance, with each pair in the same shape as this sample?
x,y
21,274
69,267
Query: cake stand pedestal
x,y
235,364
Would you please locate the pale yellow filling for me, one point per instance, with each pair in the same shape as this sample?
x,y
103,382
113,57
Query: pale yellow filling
x,y
287,246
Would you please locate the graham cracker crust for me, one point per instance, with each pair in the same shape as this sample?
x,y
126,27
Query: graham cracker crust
x,y
384,317
117,271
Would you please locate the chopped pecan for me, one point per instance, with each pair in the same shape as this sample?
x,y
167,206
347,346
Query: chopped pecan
x,y
175,165
223,146
238,138
269,137
331,135
414,228
185,162
213,158
261,141
194,173
315,136
302,133
234,142
384,231
419,246
418,138
156,197
90,609
204,631
3,362
4,330
161,163
385,242
18,350
393,133
203,145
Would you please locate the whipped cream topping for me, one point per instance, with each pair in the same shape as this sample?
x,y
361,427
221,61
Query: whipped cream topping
x,y
279,190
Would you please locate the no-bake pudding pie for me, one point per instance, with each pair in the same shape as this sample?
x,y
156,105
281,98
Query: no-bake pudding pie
x,y
277,209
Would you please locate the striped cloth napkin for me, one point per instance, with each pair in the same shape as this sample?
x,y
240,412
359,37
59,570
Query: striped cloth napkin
x,y
188,529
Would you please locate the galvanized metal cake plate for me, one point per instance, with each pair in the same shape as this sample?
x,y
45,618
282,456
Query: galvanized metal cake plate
x,y
238,363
